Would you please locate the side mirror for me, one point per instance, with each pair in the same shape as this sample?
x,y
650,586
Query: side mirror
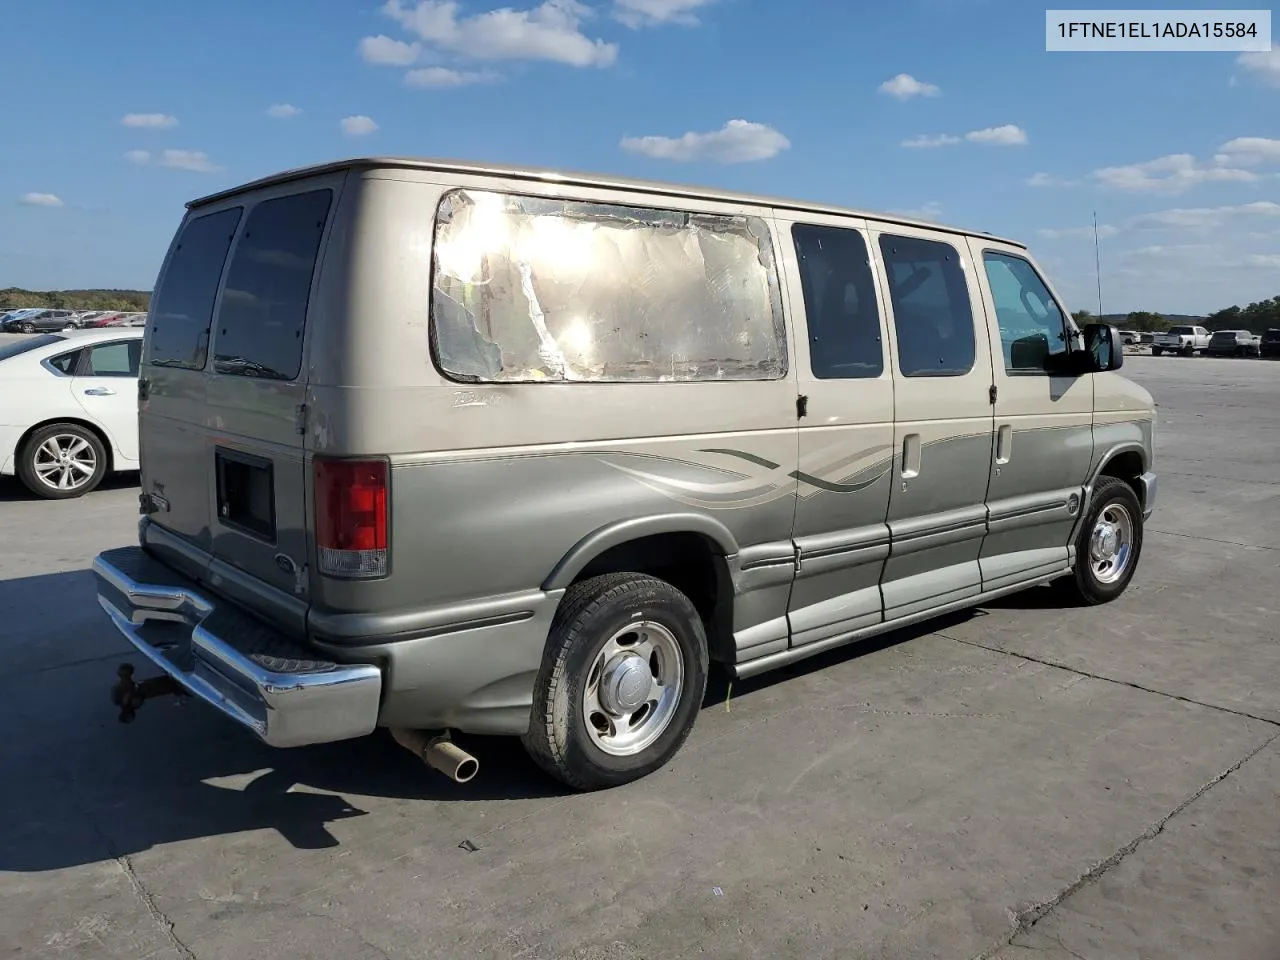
x,y
1103,349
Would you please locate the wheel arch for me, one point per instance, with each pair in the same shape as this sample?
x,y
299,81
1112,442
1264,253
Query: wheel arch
x,y
690,551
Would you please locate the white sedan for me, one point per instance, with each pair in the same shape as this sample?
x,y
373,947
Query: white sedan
x,y
69,408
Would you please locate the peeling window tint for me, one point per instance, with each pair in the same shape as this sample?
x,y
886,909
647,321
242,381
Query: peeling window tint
x,y
531,289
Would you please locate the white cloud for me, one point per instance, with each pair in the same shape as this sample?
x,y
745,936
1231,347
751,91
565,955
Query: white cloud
x,y
385,51
1262,64
438,77
927,211
904,87
550,31
138,156
1047,180
1249,151
358,126
652,13
40,200
1175,173
738,141
1269,260
155,121
194,160
1201,218
282,111
1104,231
1004,136
925,141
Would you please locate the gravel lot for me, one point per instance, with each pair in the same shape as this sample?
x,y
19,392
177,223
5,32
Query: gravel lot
x,y
1019,782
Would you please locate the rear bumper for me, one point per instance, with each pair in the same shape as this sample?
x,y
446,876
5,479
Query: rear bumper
x,y
257,677
1147,483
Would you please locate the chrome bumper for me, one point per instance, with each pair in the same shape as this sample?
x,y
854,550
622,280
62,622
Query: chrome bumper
x,y
1147,482
262,680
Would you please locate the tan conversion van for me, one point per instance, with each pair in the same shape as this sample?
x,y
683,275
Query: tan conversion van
x,y
443,447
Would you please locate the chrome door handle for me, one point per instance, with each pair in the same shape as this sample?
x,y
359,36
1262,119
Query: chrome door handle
x,y
99,392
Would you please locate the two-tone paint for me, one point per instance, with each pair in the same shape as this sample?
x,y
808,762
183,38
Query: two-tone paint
x,y
814,512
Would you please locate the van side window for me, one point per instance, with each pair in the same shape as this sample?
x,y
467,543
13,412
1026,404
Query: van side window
x,y
264,301
839,302
183,306
1032,326
533,289
931,311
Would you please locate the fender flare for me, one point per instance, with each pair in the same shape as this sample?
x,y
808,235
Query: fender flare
x,y
1128,446
623,531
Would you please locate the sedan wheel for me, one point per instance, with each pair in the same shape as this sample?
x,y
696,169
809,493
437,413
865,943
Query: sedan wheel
x,y
62,461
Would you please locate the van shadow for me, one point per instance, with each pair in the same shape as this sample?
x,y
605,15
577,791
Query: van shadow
x,y
80,787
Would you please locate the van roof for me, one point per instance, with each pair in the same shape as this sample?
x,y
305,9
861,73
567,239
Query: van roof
x,y
573,178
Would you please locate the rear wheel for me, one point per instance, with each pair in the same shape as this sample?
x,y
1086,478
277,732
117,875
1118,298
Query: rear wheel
x,y
1156,351
1189,350
621,683
61,461
1109,543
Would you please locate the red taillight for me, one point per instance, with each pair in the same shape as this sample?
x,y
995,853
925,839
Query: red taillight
x,y
351,517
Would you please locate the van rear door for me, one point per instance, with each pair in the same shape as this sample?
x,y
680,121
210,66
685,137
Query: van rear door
x,y
256,394
171,388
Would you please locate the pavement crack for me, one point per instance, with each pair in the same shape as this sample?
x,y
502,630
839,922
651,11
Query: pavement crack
x,y
1025,919
1229,543
162,920
1123,683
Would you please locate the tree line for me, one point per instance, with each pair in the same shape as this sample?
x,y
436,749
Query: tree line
x,y
126,301
1257,317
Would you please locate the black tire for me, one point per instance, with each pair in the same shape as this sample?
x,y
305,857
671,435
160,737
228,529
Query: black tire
x,y
31,452
1156,351
1189,351
590,614
28,328
1085,585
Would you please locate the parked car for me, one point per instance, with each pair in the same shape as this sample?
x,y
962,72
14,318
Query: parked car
x,y
511,488
1130,337
39,321
1233,343
102,319
1186,341
69,409
1269,344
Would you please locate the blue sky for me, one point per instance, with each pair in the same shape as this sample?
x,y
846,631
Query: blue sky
x,y
950,108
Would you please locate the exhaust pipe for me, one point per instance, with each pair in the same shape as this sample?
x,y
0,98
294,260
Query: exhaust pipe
x,y
439,752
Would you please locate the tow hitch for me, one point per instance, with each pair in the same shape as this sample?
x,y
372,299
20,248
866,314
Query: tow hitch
x,y
129,696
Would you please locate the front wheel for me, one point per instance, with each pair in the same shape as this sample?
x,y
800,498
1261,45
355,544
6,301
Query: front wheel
x,y
28,328
1109,543
621,683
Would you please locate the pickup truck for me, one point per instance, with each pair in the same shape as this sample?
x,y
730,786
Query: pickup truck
x,y
1182,340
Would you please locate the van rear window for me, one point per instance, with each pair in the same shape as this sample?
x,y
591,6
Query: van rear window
x,y
183,306
533,289
264,301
